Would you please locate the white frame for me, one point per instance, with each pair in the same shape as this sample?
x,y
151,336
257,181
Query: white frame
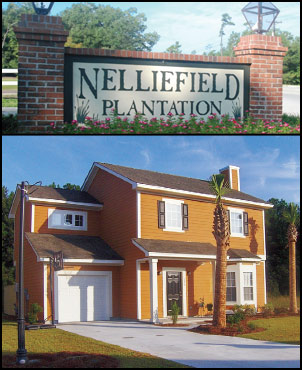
x,y
184,289
179,203
240,211
63,226
239,269
108,274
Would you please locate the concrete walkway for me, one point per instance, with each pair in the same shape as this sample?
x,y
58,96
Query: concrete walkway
x,y
197,350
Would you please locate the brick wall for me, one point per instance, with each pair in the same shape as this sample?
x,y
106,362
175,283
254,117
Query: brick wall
x,y
266,54
41,70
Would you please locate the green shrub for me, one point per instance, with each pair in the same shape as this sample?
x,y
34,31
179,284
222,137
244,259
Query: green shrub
x,y
267,309
235,318
9,124
33,313
175,312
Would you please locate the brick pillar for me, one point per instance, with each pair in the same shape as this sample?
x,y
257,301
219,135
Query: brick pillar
x,y
266,53
40,71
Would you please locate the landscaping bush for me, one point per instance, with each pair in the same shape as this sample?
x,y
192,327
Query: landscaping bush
x,y
9,124
267,309
177,125
175,312
33,313
235,318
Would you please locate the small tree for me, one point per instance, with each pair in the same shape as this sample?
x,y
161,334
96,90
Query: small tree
x,y
175,312
291,215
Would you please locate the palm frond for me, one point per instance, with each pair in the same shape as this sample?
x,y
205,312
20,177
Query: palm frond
x,y
218,186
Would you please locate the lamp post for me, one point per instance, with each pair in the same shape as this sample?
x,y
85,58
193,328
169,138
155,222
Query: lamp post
x,y
21,351
42,8
260,16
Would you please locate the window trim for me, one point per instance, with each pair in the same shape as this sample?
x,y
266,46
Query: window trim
x,y
239,270
179,203
241,211
64,226
234,272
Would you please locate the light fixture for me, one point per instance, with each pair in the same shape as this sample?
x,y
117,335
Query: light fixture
x,y
260,16
42,8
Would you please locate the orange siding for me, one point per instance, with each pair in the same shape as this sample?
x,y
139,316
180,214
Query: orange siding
x,y
200,225
260,285
118,227
235,179
41,222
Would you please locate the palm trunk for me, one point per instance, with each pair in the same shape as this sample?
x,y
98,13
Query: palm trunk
x,y
219,315
292,277
222,235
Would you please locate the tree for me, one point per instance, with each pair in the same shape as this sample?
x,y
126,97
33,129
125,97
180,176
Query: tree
x,y
175,48
10,17
68,186
8,270
291,215
99,26
277,262
221,233
225,21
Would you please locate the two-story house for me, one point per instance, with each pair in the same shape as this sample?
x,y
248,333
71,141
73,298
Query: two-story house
x,y
134,241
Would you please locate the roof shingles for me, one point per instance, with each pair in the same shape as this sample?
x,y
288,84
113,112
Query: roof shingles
x,y
175,182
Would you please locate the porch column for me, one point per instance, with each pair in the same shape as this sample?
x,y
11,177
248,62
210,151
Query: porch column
x,y
153,290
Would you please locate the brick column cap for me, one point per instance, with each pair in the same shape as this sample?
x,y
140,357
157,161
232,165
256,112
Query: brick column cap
x,y
35,27
260,44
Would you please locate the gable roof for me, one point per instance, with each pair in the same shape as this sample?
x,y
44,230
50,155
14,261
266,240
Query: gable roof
x,y
47,192
55,195
75,247
175,182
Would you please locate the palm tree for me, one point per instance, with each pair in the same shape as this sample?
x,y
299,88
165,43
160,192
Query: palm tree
x,y
221,233
291,215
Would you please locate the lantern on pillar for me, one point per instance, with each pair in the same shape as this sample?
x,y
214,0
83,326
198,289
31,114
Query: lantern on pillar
x,y
260,16
42,8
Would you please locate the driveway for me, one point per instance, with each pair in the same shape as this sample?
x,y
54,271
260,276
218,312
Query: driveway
x,y
197,350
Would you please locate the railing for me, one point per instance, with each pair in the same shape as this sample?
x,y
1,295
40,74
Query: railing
x,y
9,73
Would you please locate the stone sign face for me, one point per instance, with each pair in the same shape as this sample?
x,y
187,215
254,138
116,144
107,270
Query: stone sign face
x,y
96,86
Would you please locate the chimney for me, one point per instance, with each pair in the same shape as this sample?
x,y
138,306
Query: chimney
x,y
231,175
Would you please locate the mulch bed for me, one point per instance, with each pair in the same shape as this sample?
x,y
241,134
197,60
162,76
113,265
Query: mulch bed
x,y
63,360
237,329
173,325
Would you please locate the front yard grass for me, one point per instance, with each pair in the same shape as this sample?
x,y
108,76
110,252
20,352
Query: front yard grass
x,y
57,340
278,329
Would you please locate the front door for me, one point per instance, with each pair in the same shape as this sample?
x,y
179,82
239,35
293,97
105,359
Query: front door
x,y
174,290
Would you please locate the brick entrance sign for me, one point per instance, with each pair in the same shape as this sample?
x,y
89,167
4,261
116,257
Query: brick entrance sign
x,y
45,75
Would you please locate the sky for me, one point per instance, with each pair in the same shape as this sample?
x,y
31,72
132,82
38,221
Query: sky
x,y
269,166
196,24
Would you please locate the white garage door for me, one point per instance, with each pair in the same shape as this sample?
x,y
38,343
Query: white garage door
x,y
84,297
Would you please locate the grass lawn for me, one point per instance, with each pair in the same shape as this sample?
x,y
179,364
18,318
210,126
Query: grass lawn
x,y
56,340
280,329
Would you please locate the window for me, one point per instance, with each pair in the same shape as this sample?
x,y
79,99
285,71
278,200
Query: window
x,y
231,287
78,220
173,215
248,286
68,220
238,222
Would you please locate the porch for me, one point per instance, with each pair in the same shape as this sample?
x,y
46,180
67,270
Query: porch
x,y
184,272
